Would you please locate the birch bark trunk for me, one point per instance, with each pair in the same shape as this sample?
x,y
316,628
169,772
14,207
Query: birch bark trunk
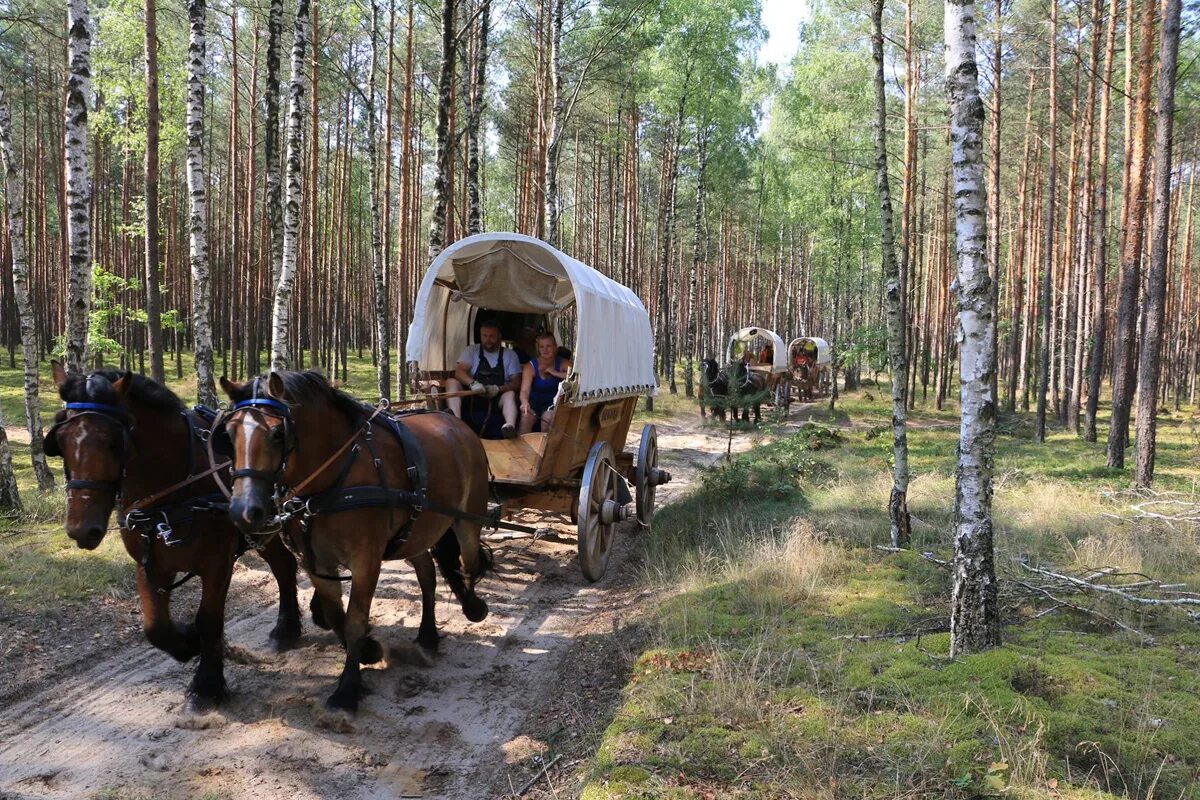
x,y
975,616
79,187
202,335
14,203
1149,363
281,316
901,530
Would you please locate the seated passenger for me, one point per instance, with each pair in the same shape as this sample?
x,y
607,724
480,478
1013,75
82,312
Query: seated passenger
x,y
539,384
526,344
489,368
767,355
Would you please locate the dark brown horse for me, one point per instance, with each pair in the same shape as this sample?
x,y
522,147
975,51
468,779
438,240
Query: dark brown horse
x,y
128,442
353,481
736,386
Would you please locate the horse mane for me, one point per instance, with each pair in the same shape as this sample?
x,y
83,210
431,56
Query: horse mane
x,y
97,387
312,386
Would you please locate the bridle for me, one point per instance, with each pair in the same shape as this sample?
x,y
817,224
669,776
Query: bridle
x,y
266,407
112,415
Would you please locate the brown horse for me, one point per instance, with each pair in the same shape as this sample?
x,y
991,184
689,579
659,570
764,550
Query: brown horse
x,y
354,484
128,442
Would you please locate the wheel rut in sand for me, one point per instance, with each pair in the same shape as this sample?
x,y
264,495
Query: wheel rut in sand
x,y
431,726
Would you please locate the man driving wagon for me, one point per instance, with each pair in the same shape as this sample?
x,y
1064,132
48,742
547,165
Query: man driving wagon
x,y
492,369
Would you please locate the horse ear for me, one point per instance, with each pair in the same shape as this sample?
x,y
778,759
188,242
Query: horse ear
x,y
121,386
275,387
59,373
229,387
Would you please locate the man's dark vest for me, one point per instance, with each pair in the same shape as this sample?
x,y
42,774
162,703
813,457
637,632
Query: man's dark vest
x,y
485,373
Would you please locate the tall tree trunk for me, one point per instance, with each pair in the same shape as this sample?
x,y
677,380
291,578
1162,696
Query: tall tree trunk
x,y
478,98
79,187
975,618
1049,229
697,259
1149,365
14,203
441,187
153,312
1099,253
271,139
382,328
206,390
282,314
554,135
901,527
1131,256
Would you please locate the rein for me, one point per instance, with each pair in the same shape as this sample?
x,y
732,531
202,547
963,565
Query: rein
x,y
300,487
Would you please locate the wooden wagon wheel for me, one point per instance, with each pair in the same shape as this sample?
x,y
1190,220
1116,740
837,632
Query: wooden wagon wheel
x,y
646,475
599,510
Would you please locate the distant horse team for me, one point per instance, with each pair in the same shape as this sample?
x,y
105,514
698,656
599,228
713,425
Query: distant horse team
x,y
754,375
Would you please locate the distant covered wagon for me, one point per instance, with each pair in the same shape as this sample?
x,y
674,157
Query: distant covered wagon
x,y
764,352
809,362
578,466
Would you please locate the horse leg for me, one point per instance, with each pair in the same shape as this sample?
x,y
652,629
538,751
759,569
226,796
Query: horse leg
x,y
449,555
208,684
178,641
427,634
283,567
356,626
476,560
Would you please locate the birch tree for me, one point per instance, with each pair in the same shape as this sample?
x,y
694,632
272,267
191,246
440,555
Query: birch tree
x,y
202,336
1149,364
1048,230
554,136
478,99
893,295
79,187
975,616
281,316
441,187
271,138
14,194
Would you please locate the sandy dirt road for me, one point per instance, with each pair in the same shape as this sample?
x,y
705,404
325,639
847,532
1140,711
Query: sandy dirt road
x,y
440,727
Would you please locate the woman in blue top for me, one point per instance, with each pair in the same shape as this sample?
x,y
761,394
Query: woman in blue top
x,y
539,384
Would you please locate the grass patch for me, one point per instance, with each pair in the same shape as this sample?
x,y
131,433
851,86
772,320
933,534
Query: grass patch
x,y
786,660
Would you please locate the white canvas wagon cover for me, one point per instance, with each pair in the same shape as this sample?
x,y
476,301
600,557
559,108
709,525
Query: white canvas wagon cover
x,y
614,347
779,351
824,352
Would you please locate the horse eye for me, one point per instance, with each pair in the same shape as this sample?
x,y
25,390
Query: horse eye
x,y
277,433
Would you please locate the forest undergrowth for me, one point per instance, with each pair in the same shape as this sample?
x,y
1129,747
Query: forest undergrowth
x,y
793,656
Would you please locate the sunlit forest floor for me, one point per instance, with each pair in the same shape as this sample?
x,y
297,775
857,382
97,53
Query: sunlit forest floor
x,y
791,657
788,656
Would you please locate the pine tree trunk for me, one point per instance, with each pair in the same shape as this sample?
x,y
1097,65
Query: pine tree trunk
x,y
554,135
202,336
901,528
1149,364
1124,367
153,312
382,328
1099,260
441,187
15,205
478,98
282,314
1050,225
975,617
79,188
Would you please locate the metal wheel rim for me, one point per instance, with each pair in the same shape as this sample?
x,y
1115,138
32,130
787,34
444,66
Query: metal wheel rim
x,y
595,537
646,463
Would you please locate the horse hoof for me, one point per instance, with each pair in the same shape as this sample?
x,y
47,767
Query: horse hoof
x,y
371,653
428,641
475,609
342,701
200,704
284,635
318,614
